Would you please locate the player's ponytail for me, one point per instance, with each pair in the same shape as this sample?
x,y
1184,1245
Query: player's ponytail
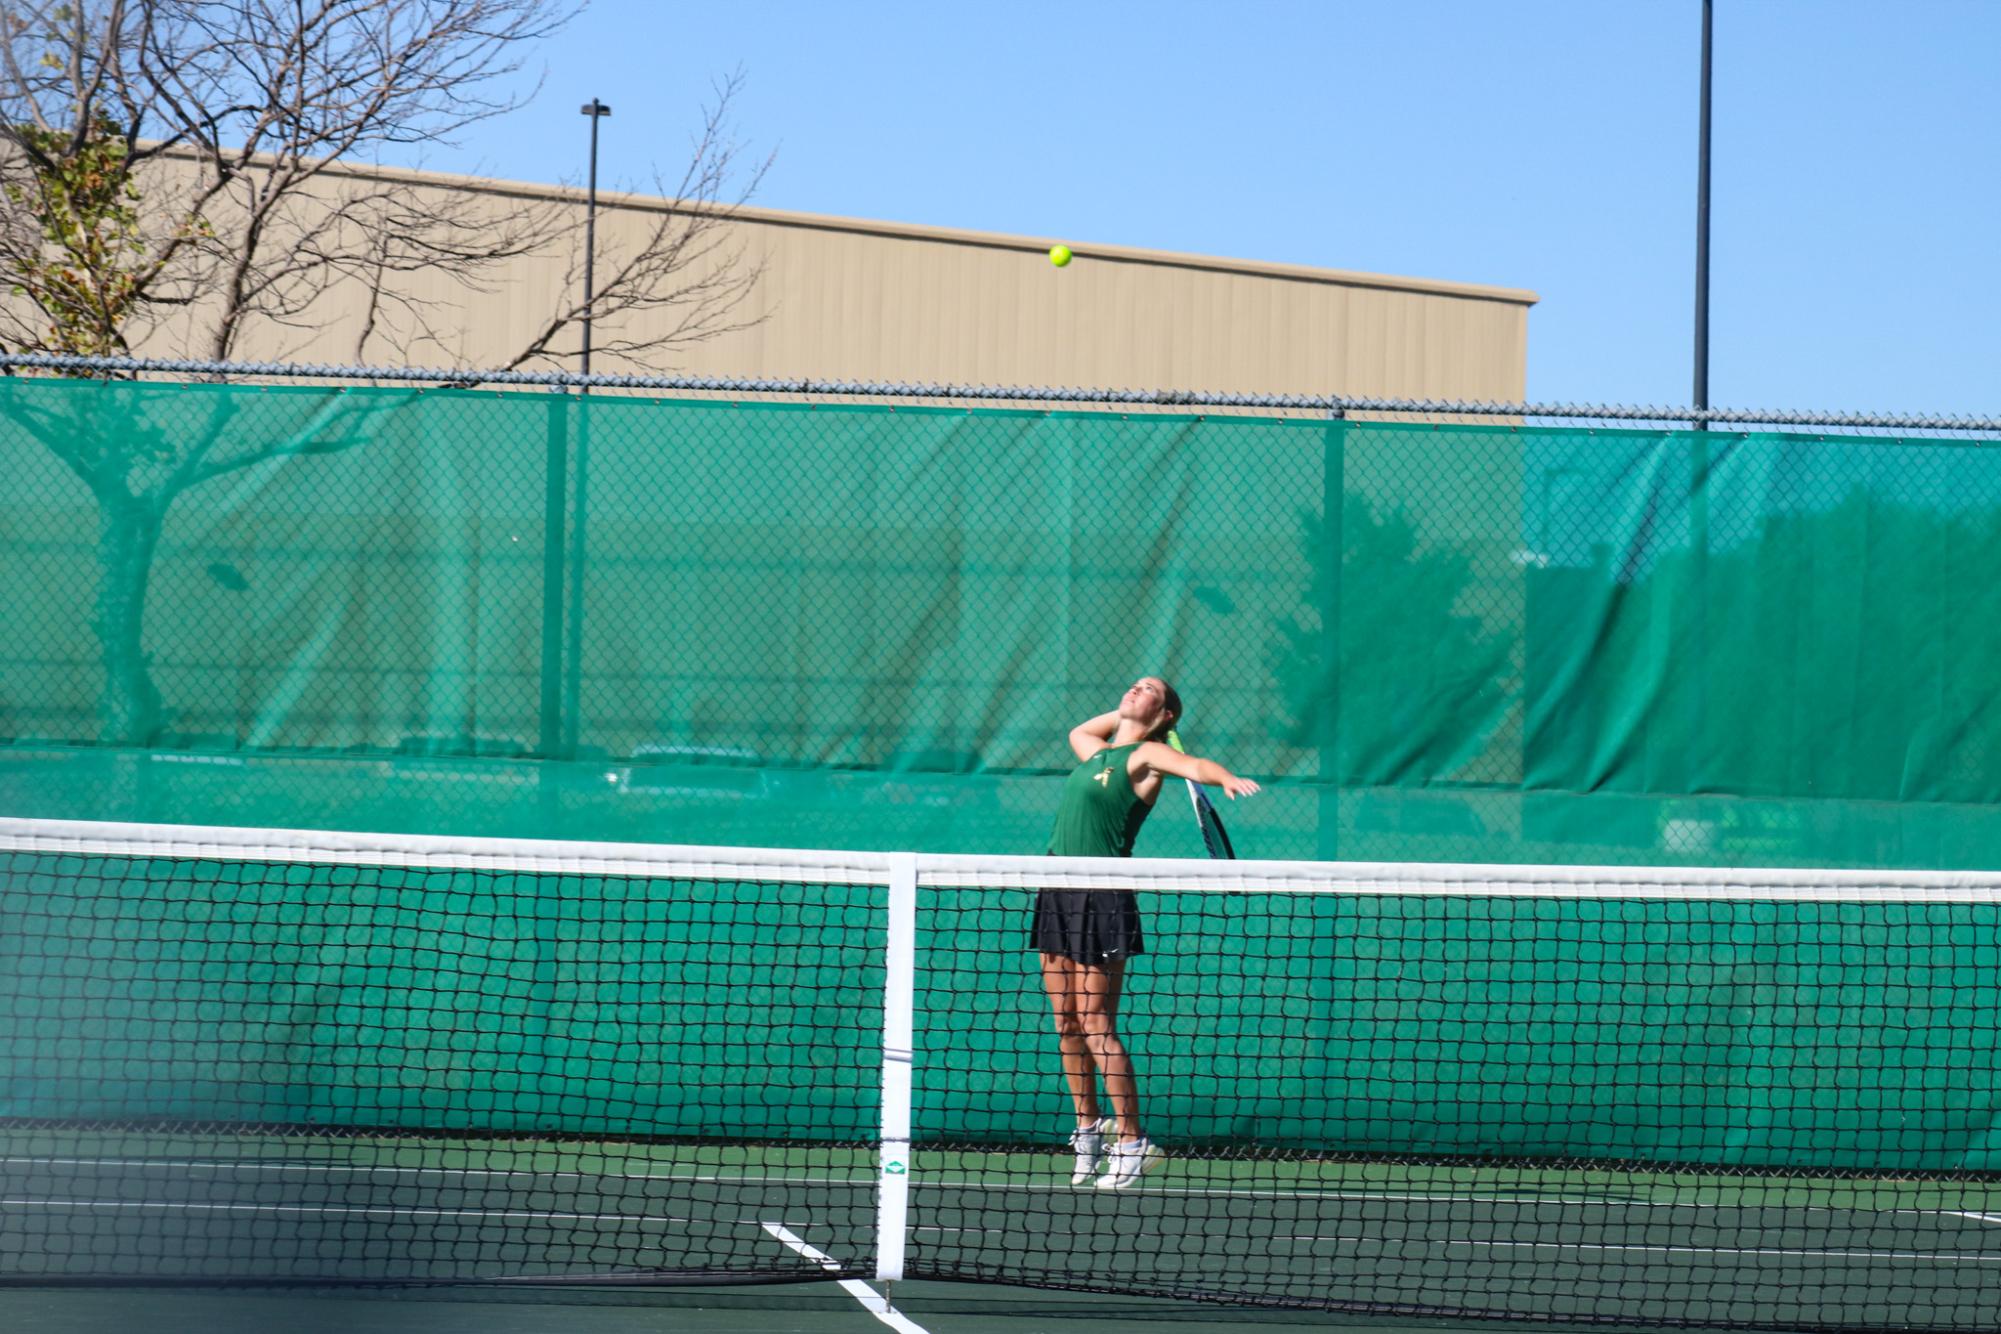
x,y
1170,711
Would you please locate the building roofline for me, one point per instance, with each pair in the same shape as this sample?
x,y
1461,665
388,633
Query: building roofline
x,y
773,217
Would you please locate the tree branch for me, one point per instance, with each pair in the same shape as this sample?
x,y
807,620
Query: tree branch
x,y
686,281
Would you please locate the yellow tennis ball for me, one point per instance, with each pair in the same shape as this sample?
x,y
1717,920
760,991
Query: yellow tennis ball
x,y
1059,255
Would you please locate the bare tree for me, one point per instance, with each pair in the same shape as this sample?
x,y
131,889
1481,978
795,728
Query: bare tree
x,y
221,123
190,161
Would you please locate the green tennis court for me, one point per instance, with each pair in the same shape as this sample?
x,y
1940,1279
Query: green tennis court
x,y
807,1308
263,1057
1341,1236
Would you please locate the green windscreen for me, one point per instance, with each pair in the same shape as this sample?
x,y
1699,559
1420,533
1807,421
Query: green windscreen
x,y
818,624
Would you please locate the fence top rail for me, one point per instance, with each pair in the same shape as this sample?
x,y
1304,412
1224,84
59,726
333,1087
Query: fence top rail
x,y
1336,405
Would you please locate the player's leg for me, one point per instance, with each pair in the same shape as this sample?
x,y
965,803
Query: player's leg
x,y
1063,979
1097,990
1133,1154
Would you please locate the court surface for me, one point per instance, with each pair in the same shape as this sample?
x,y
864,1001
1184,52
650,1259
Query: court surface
x,y
932,1308
547,1225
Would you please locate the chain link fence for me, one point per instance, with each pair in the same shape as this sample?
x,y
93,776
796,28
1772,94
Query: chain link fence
x,y
807,614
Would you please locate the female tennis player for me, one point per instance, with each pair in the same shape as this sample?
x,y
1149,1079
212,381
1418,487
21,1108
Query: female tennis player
x,y
1086,935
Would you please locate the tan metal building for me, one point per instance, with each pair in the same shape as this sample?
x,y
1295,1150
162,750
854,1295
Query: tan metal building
x,y
843,298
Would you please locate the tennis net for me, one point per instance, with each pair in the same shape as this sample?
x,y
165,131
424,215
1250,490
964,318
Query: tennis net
x,y
1755,1098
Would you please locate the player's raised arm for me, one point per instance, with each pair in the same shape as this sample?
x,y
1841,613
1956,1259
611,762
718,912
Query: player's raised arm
x,y
1163,758
1093,735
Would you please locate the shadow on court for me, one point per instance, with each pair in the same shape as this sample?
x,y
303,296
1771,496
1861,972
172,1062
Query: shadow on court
x,y
533,1233
815,1308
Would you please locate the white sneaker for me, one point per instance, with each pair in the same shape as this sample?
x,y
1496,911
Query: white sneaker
x,y
1129,1162
1089,1142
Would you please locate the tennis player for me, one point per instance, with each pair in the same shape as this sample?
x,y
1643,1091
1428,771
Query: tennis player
x,y
1086,935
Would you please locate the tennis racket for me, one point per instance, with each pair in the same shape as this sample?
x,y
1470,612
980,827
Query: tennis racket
x,y
1206,818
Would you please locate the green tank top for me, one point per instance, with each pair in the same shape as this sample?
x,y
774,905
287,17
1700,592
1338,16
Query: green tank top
x,y
1099,814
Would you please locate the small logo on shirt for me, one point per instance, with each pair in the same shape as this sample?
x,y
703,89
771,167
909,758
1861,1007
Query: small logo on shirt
x,y
1105,778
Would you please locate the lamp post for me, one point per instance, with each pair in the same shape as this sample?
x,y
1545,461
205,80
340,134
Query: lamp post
x,y
596,110
1702,223
1699,460
573,646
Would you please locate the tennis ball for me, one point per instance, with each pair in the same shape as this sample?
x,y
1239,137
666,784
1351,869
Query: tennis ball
x,y
1059,255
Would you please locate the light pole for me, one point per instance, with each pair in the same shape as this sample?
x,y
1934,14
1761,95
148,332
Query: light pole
x,y
1702,223
573,647
596,110
1699,461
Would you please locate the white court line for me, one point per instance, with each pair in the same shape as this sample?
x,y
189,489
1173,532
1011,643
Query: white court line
x,y
364,1210
720,1178
375,1169
872,1301
1058,1188
1603,1201
1950,1256
229,1165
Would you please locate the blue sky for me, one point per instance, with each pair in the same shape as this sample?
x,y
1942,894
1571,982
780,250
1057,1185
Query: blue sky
x,y
1546,144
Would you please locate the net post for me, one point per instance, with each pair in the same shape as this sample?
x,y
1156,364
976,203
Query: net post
x,y
899,1000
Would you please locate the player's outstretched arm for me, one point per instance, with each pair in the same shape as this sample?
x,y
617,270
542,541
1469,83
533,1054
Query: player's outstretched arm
x,y
1165,759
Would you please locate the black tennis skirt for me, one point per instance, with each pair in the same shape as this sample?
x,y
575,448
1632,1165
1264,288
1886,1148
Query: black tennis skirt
x,y
1087,925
